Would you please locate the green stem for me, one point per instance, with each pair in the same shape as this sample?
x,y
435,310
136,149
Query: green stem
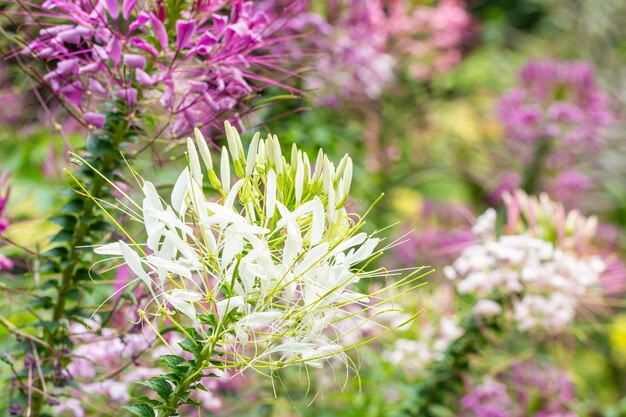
x,y
85,229
534,170
194,374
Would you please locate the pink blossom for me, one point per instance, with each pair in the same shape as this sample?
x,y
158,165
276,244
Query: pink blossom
x,y
153,64
556,100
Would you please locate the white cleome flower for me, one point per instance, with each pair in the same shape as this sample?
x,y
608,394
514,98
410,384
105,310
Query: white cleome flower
x,y
265,271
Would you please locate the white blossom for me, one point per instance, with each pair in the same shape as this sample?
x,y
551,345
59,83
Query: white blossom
x,y
266,268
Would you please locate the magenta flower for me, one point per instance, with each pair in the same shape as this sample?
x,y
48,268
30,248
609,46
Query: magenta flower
x,y
524,390
362,43
184,68
556,100
487,400
348,47
431,39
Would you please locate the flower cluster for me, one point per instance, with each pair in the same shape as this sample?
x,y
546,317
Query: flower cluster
x,y
432,39
188,65
542,263
524,390
352,46
5,190
265,273
361,43
556,101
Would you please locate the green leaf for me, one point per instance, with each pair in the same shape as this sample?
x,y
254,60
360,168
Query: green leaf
x,y
63,236
101,226
160,386
141,410
66,221
188,346
74,206
172,361
55,252
147,401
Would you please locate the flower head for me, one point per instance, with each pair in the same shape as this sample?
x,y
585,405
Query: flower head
x,y
183,66
556,100
264,272
526,389
431,39
542,262
361,44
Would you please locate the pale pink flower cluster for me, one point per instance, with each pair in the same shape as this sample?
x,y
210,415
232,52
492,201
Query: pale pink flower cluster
x,y
542,263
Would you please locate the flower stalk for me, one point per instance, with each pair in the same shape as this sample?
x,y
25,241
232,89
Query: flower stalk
x,y
82,225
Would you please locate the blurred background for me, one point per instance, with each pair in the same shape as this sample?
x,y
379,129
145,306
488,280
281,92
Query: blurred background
x,y
445,107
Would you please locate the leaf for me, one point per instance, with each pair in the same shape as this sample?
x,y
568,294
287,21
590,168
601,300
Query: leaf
x,y
171,361
141,410
188,346
160,386
147,401
55,252
63,236
101,226
74,206
66,221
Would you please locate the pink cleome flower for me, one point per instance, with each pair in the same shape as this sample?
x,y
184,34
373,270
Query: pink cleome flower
x,y
187,66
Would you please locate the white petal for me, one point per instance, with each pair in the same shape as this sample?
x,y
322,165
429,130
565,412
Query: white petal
x,y
186,295
184,307
109,249
225,170
226,306
260,318
205,153
194,161
152,196
252,153
299,181
134,263
179,192
270,194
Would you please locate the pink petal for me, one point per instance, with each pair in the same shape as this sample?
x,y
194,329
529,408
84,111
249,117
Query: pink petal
x,y
127,8
95,119
134,61
159,31
143,78
184,31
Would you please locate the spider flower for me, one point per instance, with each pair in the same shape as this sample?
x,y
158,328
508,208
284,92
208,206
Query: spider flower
x,y
556,100
265,272
543,263
527,389
432,39
185,64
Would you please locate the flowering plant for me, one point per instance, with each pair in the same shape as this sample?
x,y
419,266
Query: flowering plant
x,y
542,262
264,275
189,62
553,119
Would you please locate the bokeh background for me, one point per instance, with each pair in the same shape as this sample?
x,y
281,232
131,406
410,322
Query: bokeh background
x,y
443,107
